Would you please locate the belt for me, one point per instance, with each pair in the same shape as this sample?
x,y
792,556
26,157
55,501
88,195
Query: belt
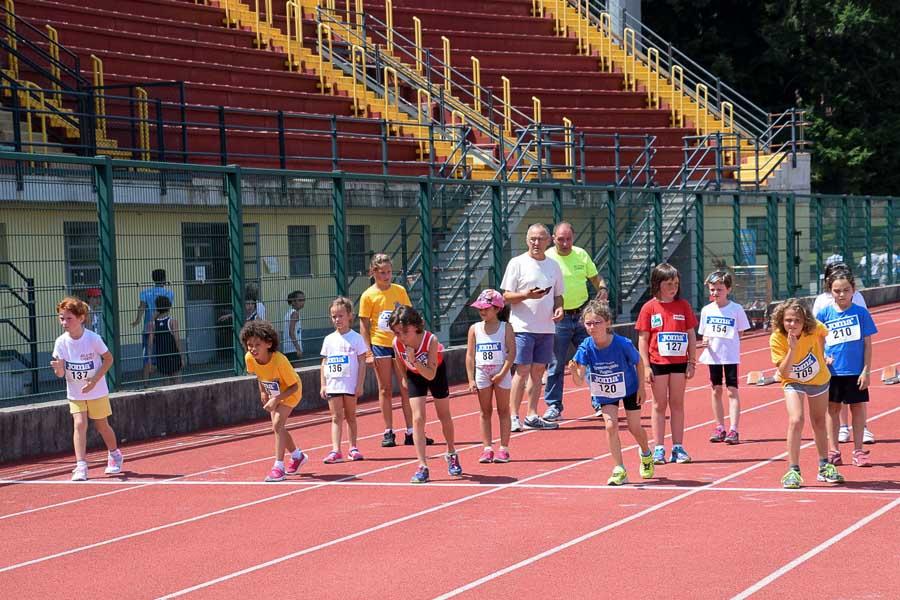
x,y
573,312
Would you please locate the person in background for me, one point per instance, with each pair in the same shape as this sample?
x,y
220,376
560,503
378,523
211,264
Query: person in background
x,y
146,308
95,317
293,328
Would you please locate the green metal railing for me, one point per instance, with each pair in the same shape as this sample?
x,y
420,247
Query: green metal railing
x,y
234,241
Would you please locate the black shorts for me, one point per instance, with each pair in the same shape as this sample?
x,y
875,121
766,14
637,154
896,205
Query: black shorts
x,y
843,389
630,402
419,386
730,372
667,369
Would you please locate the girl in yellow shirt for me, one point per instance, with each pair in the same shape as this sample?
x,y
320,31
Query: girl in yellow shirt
x,y
797,344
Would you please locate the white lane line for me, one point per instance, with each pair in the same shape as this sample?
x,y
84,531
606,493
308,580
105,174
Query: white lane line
x,y
815,551
651,509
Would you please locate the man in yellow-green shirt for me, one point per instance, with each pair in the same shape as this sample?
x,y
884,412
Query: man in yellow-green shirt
x,y
578,268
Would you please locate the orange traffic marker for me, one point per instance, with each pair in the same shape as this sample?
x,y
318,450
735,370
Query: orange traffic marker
x,y
889,375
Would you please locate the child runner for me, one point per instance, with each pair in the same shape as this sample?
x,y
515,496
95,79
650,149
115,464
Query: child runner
x,y
489,357
666,342
822,301
721,325
615,373
375,308
848,353
280,391
419,357
293,328
83,359
343,373
797,344
164,340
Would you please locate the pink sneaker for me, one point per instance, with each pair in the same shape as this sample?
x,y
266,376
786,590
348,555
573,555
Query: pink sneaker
x,y
114,463
835,458
355,454
333,457
861,458
502,456
487,456
718,435
276,474
293,467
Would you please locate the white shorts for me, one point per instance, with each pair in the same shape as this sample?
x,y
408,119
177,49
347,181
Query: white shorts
x,y
483,379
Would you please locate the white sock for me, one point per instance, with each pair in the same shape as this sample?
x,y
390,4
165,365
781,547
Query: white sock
x,y
488,448
389,431
279,464
296,454
409,431
81,463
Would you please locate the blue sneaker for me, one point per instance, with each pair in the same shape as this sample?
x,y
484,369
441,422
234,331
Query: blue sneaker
x,y
659,455
453,466
680,455
421,475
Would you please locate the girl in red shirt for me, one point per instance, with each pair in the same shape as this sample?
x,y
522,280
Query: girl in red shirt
x,y
666,342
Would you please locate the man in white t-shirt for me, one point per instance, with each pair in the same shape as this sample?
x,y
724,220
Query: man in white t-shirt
x,y
533,287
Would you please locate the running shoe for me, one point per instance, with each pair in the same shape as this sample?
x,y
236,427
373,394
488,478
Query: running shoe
x,y
537,422
515,425
861,458
868,436
502,456
552,413
844,434
619,476
487,456
355,454
389,440
659,455
792,480
598,413
834,457
732,438
421,475
680,455
453,466
276,474
718,435
646,465
293,466
408,440
114,463
829,474
80,473
333,457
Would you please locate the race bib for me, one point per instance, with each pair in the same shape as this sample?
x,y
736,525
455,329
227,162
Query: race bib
x,y
273,388
488,354
719,327
672,343
845,329
383,320
337,366
611,385
80,371
806,369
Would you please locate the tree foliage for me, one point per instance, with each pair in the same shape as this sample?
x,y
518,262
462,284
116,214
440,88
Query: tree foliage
x,y
837,59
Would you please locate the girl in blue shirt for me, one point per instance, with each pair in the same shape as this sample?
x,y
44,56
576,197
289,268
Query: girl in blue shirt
x,y
614,371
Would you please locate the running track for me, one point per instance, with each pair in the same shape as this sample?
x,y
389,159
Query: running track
x,y
192,518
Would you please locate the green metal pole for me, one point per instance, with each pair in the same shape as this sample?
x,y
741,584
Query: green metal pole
x,y
867,208
557,206
657,228
790,227
427,262
890,241
844,229
737,249
339,241
236,260
818,232
496,235
698,249
772,241
612,263
109,276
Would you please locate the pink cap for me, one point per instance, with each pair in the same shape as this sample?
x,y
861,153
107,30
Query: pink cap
x,y
489,298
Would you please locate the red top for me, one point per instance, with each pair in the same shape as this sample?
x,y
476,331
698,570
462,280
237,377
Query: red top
x,y
421,353
668,324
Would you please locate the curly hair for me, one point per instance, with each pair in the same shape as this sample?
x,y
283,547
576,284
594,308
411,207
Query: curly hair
x,y
663,272
261,330
407,315
809,321
77,307
599,308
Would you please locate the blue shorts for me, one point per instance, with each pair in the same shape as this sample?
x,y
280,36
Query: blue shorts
x,y
534,348
382,351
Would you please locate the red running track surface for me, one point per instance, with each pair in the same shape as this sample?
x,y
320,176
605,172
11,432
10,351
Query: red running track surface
x,y
191,517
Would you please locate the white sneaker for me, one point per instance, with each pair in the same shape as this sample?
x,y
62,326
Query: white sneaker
x,y
868,436
515,425
114,463
80,473
844,434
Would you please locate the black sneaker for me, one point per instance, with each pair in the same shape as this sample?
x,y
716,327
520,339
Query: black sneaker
x,y
408,440
389,440
537,422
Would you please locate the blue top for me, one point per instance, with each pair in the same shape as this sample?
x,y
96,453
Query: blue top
x,y
149,295
611,371
846,337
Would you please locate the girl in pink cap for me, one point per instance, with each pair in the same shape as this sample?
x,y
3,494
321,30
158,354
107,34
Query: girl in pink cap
x,y
489,358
